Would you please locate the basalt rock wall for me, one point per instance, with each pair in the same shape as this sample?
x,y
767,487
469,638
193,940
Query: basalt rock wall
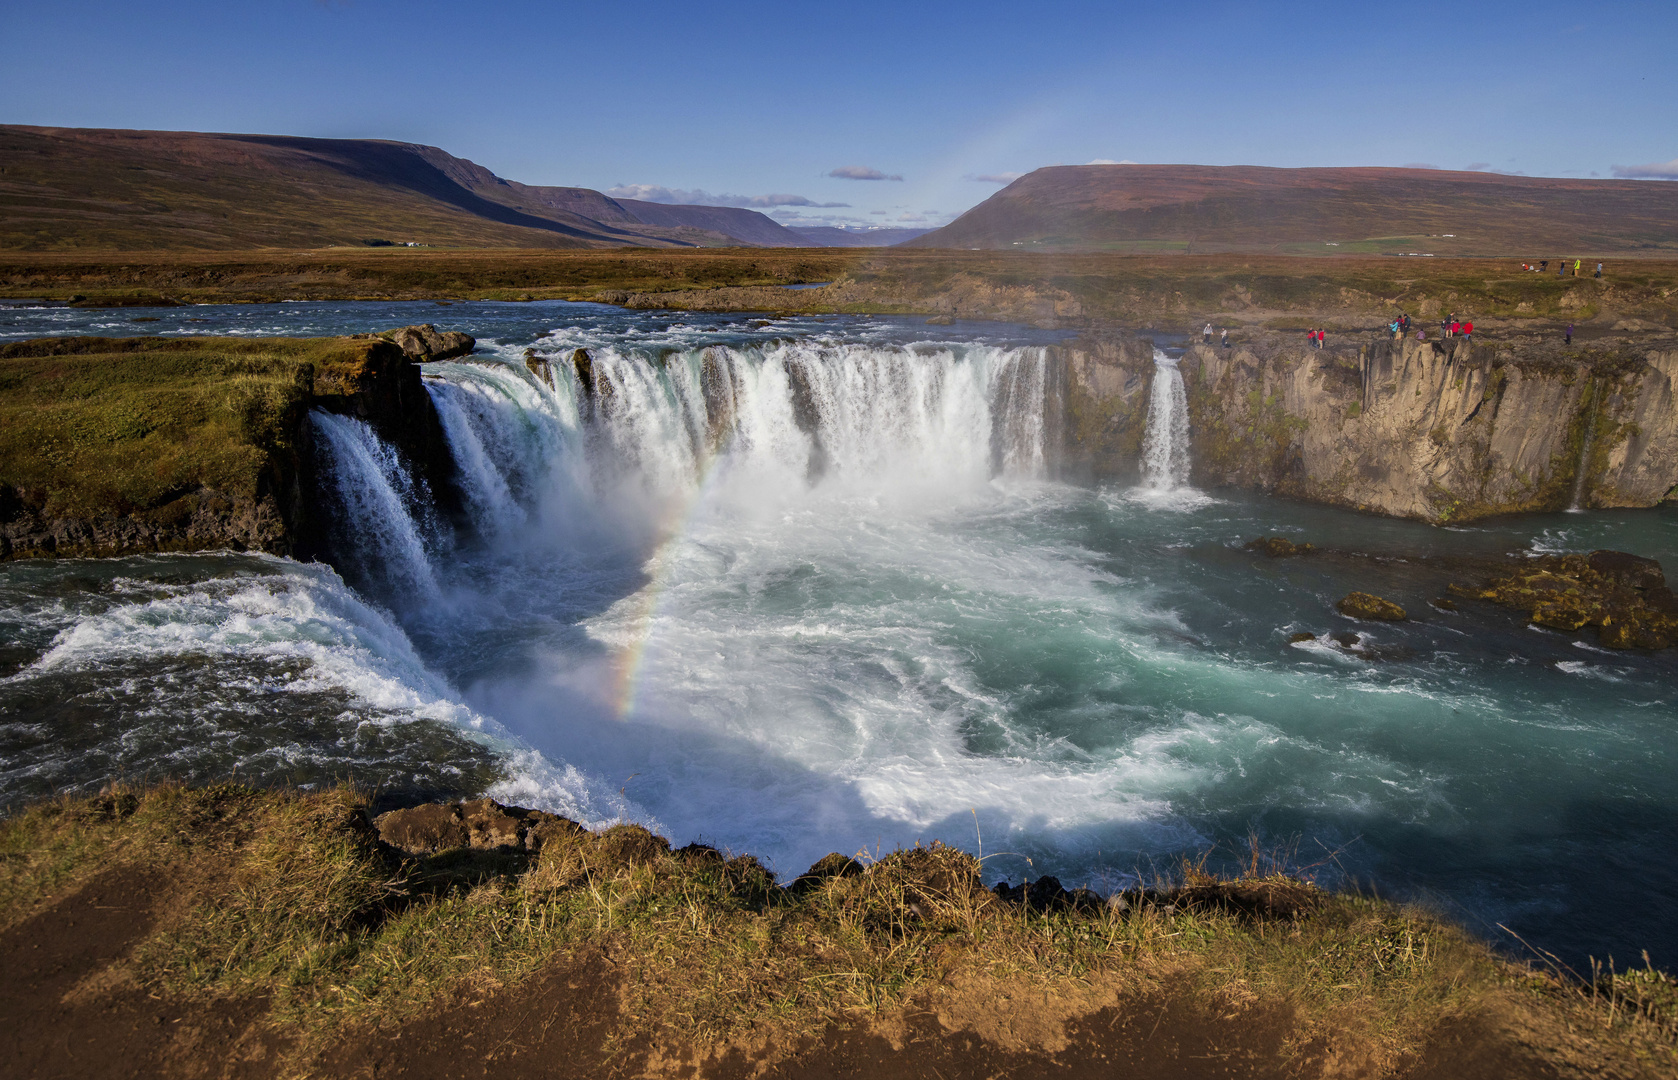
x,y
1435,430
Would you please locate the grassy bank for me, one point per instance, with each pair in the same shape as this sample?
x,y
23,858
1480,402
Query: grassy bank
x,y
93,426
1132,289
285,910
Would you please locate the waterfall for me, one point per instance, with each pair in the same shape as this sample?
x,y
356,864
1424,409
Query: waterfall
x,y
757,425
1165,441
483,482
1581,471
381,511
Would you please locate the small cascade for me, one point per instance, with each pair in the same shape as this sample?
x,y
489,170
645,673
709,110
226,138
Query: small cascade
x,y
381,510
488,494
1582,470
1165,440
1018,443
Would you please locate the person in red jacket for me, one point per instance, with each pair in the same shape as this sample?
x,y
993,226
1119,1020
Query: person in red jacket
x,y
1468,332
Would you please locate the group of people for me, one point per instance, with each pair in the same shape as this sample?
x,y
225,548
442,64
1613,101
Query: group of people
x,y
1450,326
1316,337
1206,335
1542,266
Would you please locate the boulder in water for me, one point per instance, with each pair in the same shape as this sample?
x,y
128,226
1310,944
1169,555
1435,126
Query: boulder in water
x,y
1279,547
1624,595
538,365
1362,605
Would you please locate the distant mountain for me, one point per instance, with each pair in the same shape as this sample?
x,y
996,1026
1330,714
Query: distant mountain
x,y
1200,208
829,236
85,188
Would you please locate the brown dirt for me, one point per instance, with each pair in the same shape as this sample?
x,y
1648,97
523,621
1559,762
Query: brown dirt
x,y
71,1008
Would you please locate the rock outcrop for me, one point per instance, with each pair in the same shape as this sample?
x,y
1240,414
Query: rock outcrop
x,y
1625,596
1362,605
1440,431
424,343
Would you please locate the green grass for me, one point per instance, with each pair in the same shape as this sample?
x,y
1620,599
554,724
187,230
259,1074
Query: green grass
x,y
287,898
95,426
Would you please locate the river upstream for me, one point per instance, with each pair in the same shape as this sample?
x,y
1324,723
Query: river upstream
x,y
877,622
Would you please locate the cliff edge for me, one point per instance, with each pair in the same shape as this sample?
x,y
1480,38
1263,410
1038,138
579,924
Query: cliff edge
x,y
1439,431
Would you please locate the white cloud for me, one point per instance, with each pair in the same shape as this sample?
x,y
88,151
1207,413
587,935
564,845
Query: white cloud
x,y
1658,171
1479,166
1109,161
657,193
860,172
1424,165
997,178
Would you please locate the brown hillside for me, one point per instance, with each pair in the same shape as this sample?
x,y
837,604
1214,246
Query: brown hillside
x,y
1201,208
91,189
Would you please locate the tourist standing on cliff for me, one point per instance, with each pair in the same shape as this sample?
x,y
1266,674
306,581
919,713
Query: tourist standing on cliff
x,y
1468,332
1569,333
1598,269
1206,334
1226,337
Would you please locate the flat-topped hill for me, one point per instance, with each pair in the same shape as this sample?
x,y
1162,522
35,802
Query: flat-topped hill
x,y
1202,208
115,190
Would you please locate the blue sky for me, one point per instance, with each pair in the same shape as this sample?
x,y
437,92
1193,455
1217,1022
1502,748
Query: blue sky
x,y
764,103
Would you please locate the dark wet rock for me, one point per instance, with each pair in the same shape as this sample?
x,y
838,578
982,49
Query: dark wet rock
x,y
1046,894
940,320
424,343
1444,603
583,364
1628,570
828,867
1346,639
1279,547
539,366
1624,595
1362,605
1303,635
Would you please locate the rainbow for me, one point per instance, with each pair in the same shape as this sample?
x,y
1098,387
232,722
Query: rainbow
x,y
630,659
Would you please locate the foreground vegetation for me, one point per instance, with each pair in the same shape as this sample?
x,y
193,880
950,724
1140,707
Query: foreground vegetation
x,y
290,903
1069,289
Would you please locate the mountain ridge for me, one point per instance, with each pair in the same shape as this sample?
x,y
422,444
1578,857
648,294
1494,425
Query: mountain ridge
x,y
1362,210
120,189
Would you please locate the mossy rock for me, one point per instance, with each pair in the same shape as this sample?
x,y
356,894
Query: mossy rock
x,y
1362,605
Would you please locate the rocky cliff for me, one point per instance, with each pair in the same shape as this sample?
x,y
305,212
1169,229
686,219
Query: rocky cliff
x,y
1435,430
